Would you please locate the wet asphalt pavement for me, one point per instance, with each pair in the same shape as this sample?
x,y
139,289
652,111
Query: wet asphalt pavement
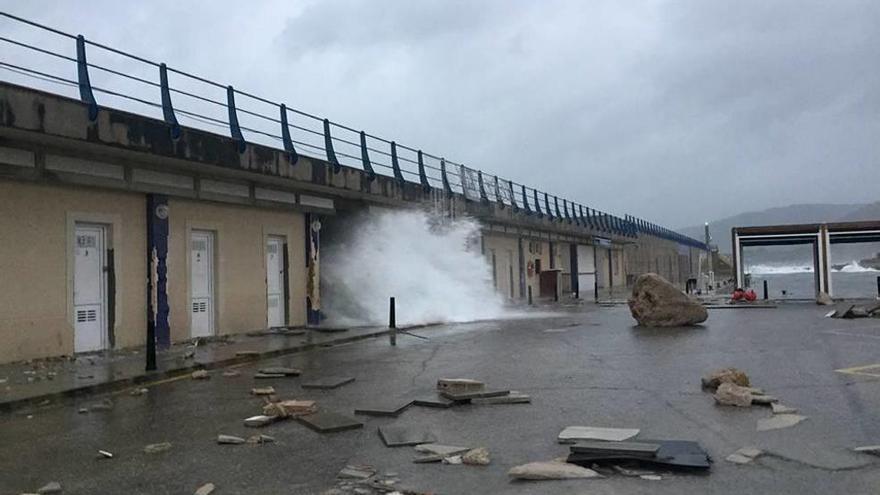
x,y
585,366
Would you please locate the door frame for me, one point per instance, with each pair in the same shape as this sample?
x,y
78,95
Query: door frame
x,y
284,279
103,230
214,276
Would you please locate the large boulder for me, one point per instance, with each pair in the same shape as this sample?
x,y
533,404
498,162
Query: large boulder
x,y
657,303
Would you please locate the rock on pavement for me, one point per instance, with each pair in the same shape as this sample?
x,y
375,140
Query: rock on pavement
x,y
729,394
657,303
726,375
550,471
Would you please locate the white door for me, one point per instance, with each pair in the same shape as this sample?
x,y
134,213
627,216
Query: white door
x,y
202,283
586,272
89,289
275,281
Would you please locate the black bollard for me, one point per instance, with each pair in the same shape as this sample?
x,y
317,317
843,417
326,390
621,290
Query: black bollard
x,y
530,295
878,286
392,323
151,347
766,292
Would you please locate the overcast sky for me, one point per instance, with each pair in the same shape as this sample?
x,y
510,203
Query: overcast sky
x,y
677,112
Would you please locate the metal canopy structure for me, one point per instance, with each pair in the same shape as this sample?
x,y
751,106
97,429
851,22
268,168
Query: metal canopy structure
x,y
820,235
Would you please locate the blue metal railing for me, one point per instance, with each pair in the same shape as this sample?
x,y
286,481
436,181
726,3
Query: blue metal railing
x,y
208,105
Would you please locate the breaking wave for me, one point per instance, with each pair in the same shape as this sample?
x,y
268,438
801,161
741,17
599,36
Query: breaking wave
x,y
762,269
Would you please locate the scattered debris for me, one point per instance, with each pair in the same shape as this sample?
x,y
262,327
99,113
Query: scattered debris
x,y
869,449
459,385
572,434
781,409
399,436
729,394
657,303
550,471
726,375
638,449
476,457
51,487
360,472
764,400
263,376
651,477
440,450
247,353
288,408
392,409
438,402
671,453
263,390
104,405
513,397
631,472
155,448
453,460
831,314
259,421
778,421
200,375
83,410
138,392
467,396
744,455
105,454
260,439
329,422
206,489
231,373
280,370
230,440
329,382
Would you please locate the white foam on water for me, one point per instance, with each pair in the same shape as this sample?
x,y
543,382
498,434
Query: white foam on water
x,y
431,265
762,269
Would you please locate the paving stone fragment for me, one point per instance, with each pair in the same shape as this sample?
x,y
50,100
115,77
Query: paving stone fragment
x,y
51,487
425,459
744,455
400,436
778,421
206,489
466,396
262,390
869,449
329,422
360,472
441,450
138,392
764,400
328,382
572,434
729,394
288,408
260,439
247,353
105,454
231,373
104,405
83,410
626,471
453,459
259,421
781,409
726,375
476,457
281,370
264,376
459,385
550,471
229,440
392,409
640,449
651,477
200,375
672,453
738,459
155,448
512,398
438,402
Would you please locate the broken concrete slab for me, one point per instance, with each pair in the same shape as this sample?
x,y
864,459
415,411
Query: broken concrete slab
x,y
729,394
572,434
672,454
778,408
440,450
744,455
476,457
155,448
512,398
404,436
280,370
764,400
329,422
438,402
628,472
286,408
268,376
328,382
359,472
459,385
392,409
231,373
260,439
263,391
651,477
138,392
467,396
778,421
104,405
726,375
639,449
247,353
259,420
425,459
206,489
200,375
868,449
105,454
229,440
51,487
552,470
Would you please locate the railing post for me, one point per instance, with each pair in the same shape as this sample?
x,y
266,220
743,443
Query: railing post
x,y
512,198
423,176
395,165
292,155
461,178
484,198
85,85
365,158
537,204
446,187
559,215
547,207
234,128
498,194
328,148
167,108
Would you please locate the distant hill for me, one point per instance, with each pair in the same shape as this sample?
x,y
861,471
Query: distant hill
x,y
805,213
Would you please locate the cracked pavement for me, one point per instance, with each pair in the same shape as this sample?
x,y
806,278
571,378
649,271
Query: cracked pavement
x,y
593,368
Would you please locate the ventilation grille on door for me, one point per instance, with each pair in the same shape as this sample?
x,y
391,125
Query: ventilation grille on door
x,y
86,315
200,307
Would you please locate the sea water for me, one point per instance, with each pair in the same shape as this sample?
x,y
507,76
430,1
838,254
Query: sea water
x,y
798,281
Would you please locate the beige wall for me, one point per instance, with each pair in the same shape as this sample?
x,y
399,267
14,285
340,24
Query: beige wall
x,y
240,260
36,265
506,257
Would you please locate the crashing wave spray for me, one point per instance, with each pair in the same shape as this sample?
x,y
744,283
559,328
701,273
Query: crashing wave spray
x,y
430,264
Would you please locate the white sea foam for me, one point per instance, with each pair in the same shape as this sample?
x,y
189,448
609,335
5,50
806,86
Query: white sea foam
x,y
770,269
